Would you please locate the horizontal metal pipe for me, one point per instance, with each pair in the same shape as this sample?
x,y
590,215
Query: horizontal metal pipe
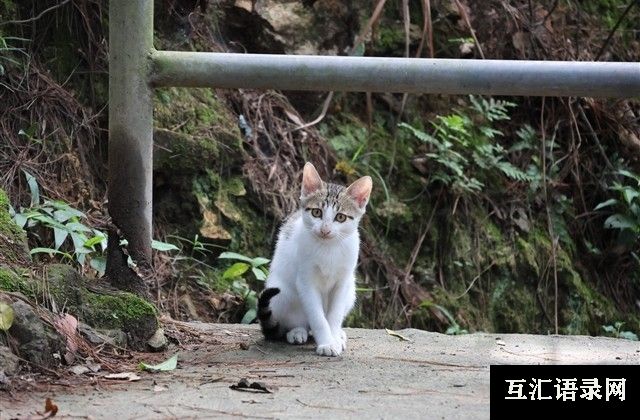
x,y
378,74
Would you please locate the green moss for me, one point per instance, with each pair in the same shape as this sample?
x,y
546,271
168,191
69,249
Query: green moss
x,y
106,310
513,308
18,280
122,310
13,240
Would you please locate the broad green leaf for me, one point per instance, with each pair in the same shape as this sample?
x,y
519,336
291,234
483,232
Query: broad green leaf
x,y
20,219
609,328
258,261
163,246
168,365
628,174
620,221
62,215
609,202
77,227
628,335
47,220
236,270
249,316
49,251
94,241
33,188
6,316
235,256
59,235
629,194
79,240
260,275
99,264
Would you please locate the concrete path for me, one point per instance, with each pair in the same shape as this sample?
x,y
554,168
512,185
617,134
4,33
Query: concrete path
x,y
380,376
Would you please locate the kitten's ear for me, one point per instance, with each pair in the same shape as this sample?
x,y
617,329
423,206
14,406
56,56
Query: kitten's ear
x,y
360,190
311,181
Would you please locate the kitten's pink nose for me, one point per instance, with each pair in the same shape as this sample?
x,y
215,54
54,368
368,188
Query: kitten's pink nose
x,y
325,232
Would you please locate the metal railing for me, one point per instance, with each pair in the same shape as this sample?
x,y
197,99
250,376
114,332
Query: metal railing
x,y
135,68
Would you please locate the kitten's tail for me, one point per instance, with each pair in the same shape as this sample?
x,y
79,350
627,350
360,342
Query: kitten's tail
x,y
270,328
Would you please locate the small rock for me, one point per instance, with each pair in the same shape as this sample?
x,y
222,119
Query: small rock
x,y
9,362
116,337
158,341
5,382
79,369
37,342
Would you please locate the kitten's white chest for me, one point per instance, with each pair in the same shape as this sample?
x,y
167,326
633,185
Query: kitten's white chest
x,y
333,262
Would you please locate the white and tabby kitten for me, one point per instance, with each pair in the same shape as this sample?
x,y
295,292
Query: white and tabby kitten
x,y
311,283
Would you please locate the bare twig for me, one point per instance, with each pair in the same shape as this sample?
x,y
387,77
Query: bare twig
x,y
554,240
615,28
465,16
44,12
418,245
476,278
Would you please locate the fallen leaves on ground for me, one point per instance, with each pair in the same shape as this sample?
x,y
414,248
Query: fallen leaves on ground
x,y
168,365
397,335
256,387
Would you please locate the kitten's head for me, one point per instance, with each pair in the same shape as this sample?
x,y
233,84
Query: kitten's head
x,y
332,211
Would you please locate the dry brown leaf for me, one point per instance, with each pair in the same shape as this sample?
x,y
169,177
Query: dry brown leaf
x,y
50,408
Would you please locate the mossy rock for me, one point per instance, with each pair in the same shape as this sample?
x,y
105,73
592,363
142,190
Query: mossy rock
x,y
16,280
102,309
13,240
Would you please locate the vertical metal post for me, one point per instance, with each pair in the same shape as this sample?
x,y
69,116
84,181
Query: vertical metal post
x,y
131,123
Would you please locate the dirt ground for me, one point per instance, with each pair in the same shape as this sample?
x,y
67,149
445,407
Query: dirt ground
x,y
380,376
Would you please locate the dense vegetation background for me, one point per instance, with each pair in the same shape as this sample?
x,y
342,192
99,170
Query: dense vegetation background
x,y
488,214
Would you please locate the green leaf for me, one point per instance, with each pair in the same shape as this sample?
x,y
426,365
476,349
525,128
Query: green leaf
x,y
620,221
49,251
77,227
249,316
59,236
46,220
235,256
236,270
78,241
628,335
628,174
609,328
629,194
6,316
609,202
99,264
168,365
258,261
260,275
93,241
20,219
33,188
163,246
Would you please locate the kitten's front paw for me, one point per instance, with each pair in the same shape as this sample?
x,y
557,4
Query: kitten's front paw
x,y
297,335
331,350
341,338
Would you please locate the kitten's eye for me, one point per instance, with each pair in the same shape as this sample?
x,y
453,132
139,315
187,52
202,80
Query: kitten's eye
x,y
341,218
316,213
